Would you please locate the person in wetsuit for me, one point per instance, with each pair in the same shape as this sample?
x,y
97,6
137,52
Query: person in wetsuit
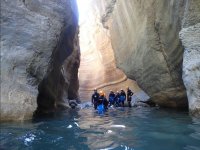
x,y
105,102
117,99
111,98
122,97
102,100
129,96
95,98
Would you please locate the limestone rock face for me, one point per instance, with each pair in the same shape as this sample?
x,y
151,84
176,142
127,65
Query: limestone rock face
x,y
145,39
98,67
190,36
38,40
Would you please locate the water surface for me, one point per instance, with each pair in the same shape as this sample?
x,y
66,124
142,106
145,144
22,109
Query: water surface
x,y
121,129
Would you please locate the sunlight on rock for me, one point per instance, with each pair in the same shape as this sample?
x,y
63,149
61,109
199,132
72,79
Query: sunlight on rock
x,y
98,67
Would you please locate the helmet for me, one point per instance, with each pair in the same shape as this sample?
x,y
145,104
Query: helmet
x,y
101,93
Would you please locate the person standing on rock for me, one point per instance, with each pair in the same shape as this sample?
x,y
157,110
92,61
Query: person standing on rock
x,y
129,96
95,98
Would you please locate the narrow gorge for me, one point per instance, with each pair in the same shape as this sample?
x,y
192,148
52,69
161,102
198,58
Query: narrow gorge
x,y
98,65
48,57
128,41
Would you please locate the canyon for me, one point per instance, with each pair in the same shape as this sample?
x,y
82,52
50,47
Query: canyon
x,y
151,45
148,41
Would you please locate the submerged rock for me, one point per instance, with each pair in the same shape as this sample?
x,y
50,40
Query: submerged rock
x,y
73,104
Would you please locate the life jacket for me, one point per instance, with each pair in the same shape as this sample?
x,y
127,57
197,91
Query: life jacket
x,y
100,108
122,98
111,97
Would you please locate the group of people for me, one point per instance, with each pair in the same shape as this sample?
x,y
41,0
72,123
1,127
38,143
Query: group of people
x,y
114,99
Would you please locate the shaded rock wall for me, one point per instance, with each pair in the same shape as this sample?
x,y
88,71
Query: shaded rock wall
x,y
39,44
190,36
146,44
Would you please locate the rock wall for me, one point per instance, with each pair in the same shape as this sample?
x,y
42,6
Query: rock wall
x,y
39,46
98,67
190,36
145,39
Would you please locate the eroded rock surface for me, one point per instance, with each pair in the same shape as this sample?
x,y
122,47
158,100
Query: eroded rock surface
x,y
39,44
191,65
129,39
144,38
190,36
98,67
146,44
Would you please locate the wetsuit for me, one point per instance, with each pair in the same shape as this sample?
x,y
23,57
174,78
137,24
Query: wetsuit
x,y
95,98
122,97
111,98
105,103
102,100
129,94
117,99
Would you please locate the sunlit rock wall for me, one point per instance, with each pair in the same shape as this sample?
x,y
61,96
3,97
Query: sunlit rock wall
x,y
98,68
39,44
146,44
190,36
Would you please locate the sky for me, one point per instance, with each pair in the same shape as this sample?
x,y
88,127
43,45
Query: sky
x,y
83,7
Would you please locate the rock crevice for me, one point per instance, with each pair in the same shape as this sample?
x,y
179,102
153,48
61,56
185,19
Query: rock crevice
x,y
38,40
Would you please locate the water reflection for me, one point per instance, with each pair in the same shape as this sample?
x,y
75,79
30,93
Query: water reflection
x,y
135,128
62,133
107,131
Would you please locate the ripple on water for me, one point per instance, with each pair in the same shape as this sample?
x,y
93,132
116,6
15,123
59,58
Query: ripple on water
x,y
119,129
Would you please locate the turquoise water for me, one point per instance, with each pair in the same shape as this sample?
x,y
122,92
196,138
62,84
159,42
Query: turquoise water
x,y
122,129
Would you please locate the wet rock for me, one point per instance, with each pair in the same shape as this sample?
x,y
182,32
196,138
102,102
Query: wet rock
x,y
73,104
85,105
140,104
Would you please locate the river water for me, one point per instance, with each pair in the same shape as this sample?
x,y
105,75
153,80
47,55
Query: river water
x,y
119,129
